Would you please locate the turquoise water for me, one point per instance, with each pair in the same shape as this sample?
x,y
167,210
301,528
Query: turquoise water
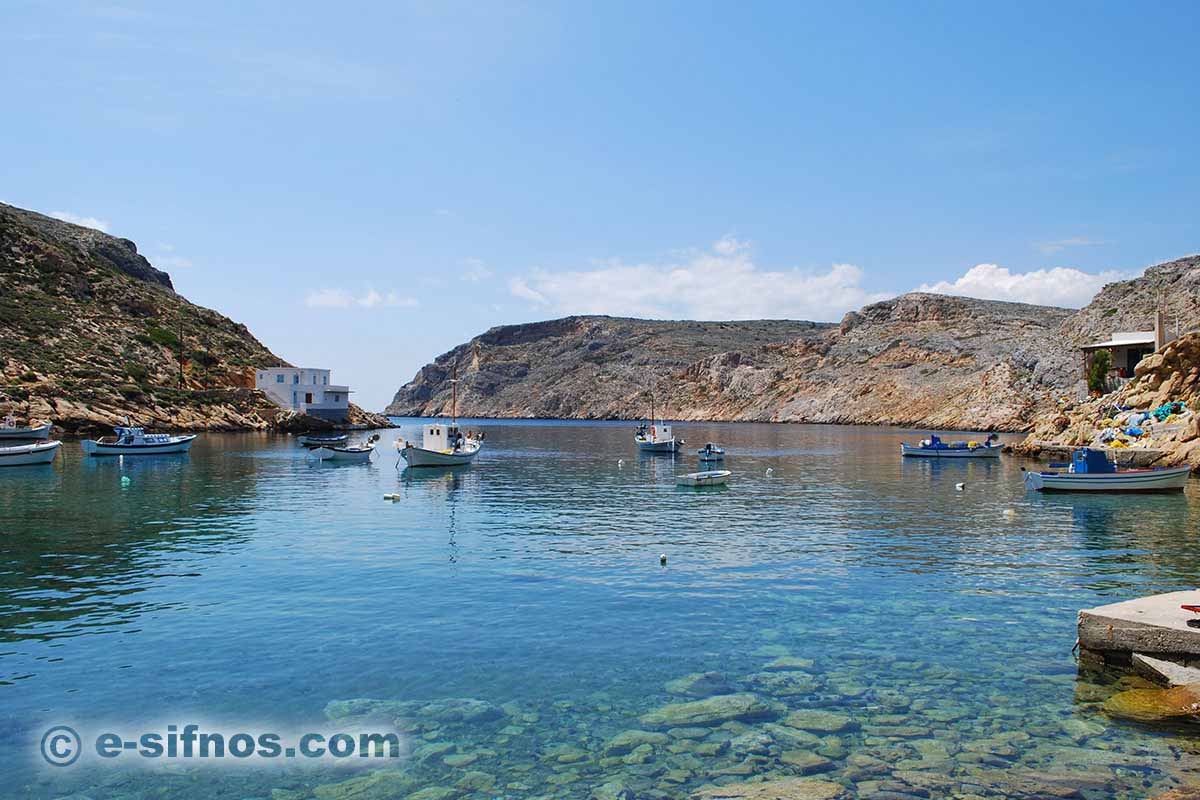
x,y
248,585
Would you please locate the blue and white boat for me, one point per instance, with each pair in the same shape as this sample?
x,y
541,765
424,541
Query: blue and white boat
x,y
311,440
712,477
711,452
1091,471
134,441
934,447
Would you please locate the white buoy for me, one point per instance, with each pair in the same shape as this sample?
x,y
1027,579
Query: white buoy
x,y
620,463
125,480
770,472
960,486
392,497
1009,513
663,559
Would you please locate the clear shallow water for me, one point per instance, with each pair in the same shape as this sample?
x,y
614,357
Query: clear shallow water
x,y
245,583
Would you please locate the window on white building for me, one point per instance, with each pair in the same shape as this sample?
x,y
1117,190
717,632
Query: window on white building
x,y
279,379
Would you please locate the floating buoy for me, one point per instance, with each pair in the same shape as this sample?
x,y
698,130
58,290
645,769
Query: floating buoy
x,y
960,486
392,497
663,559
770,472
620,463
1009,513
125,480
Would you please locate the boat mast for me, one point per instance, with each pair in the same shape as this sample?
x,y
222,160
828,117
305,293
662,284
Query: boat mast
x,y
454,397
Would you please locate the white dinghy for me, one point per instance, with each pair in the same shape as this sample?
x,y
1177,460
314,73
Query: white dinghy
x,y
11,431
134,441
714,477
24,454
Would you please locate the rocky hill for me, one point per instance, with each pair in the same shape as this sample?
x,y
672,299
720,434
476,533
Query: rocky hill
x,y
92,332
932,360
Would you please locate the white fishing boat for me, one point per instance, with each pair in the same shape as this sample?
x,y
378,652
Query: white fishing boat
x,y
324,439
10,430
1091,471
443,445
23,454
934,447
711,452
134,441
715,477
353,453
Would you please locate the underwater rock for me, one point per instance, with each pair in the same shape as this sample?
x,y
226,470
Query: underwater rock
x,y
432,750
787,664
476,782
626,741
460,760
785,789
782,684
699,684
566,754
383,785
364,707
805,762
459,709
751,742
1149,705
452,709
814,720
688,733
435,793
1079,729
611,790
710,711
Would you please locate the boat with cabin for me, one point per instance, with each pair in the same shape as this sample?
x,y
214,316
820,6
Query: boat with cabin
x,y
711,452
132,440
655,437
1090,470
442,444
21,455
356,452
715,477
934,447
11,431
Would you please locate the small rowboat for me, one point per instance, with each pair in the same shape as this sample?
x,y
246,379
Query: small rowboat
x,y
360,453
10,430
716,477
711,452
133,441
24,454
934,447
324,440
1091,471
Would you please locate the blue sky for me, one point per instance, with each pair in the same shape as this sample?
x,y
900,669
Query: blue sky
x,y
366,185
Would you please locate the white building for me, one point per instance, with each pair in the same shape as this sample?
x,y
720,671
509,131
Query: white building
x,y
306,391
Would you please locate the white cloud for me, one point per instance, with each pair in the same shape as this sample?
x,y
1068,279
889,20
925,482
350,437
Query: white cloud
x,y
1057,246
165,257
343,298
1060,286
721,283
76,219
477,270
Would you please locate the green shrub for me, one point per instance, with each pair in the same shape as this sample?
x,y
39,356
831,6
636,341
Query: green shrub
x,y
162,336
1098,376
137,372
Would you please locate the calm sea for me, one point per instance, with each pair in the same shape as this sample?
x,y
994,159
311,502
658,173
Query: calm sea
x,y
245,585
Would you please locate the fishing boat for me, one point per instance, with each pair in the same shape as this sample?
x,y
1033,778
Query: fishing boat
x,y
324,440
134,441
10,430
934,447
716,477
1091,471
443,445
352,453
23,454
711,452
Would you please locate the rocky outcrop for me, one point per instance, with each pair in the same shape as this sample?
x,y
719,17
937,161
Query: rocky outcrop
x,y
933,360
93,333
1169,376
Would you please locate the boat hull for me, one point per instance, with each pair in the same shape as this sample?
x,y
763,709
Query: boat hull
x,y
324,441
711,478
1139,480
342,454
670,446
24,455
25,434
420,457
983,451
92,447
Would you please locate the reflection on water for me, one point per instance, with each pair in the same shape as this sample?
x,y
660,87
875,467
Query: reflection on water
x,y
247,582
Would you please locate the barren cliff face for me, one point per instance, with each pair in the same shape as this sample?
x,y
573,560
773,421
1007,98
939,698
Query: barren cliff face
x,y
92,331
925,359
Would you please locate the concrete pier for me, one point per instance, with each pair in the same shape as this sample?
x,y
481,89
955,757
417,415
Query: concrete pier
x,y
1154,626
